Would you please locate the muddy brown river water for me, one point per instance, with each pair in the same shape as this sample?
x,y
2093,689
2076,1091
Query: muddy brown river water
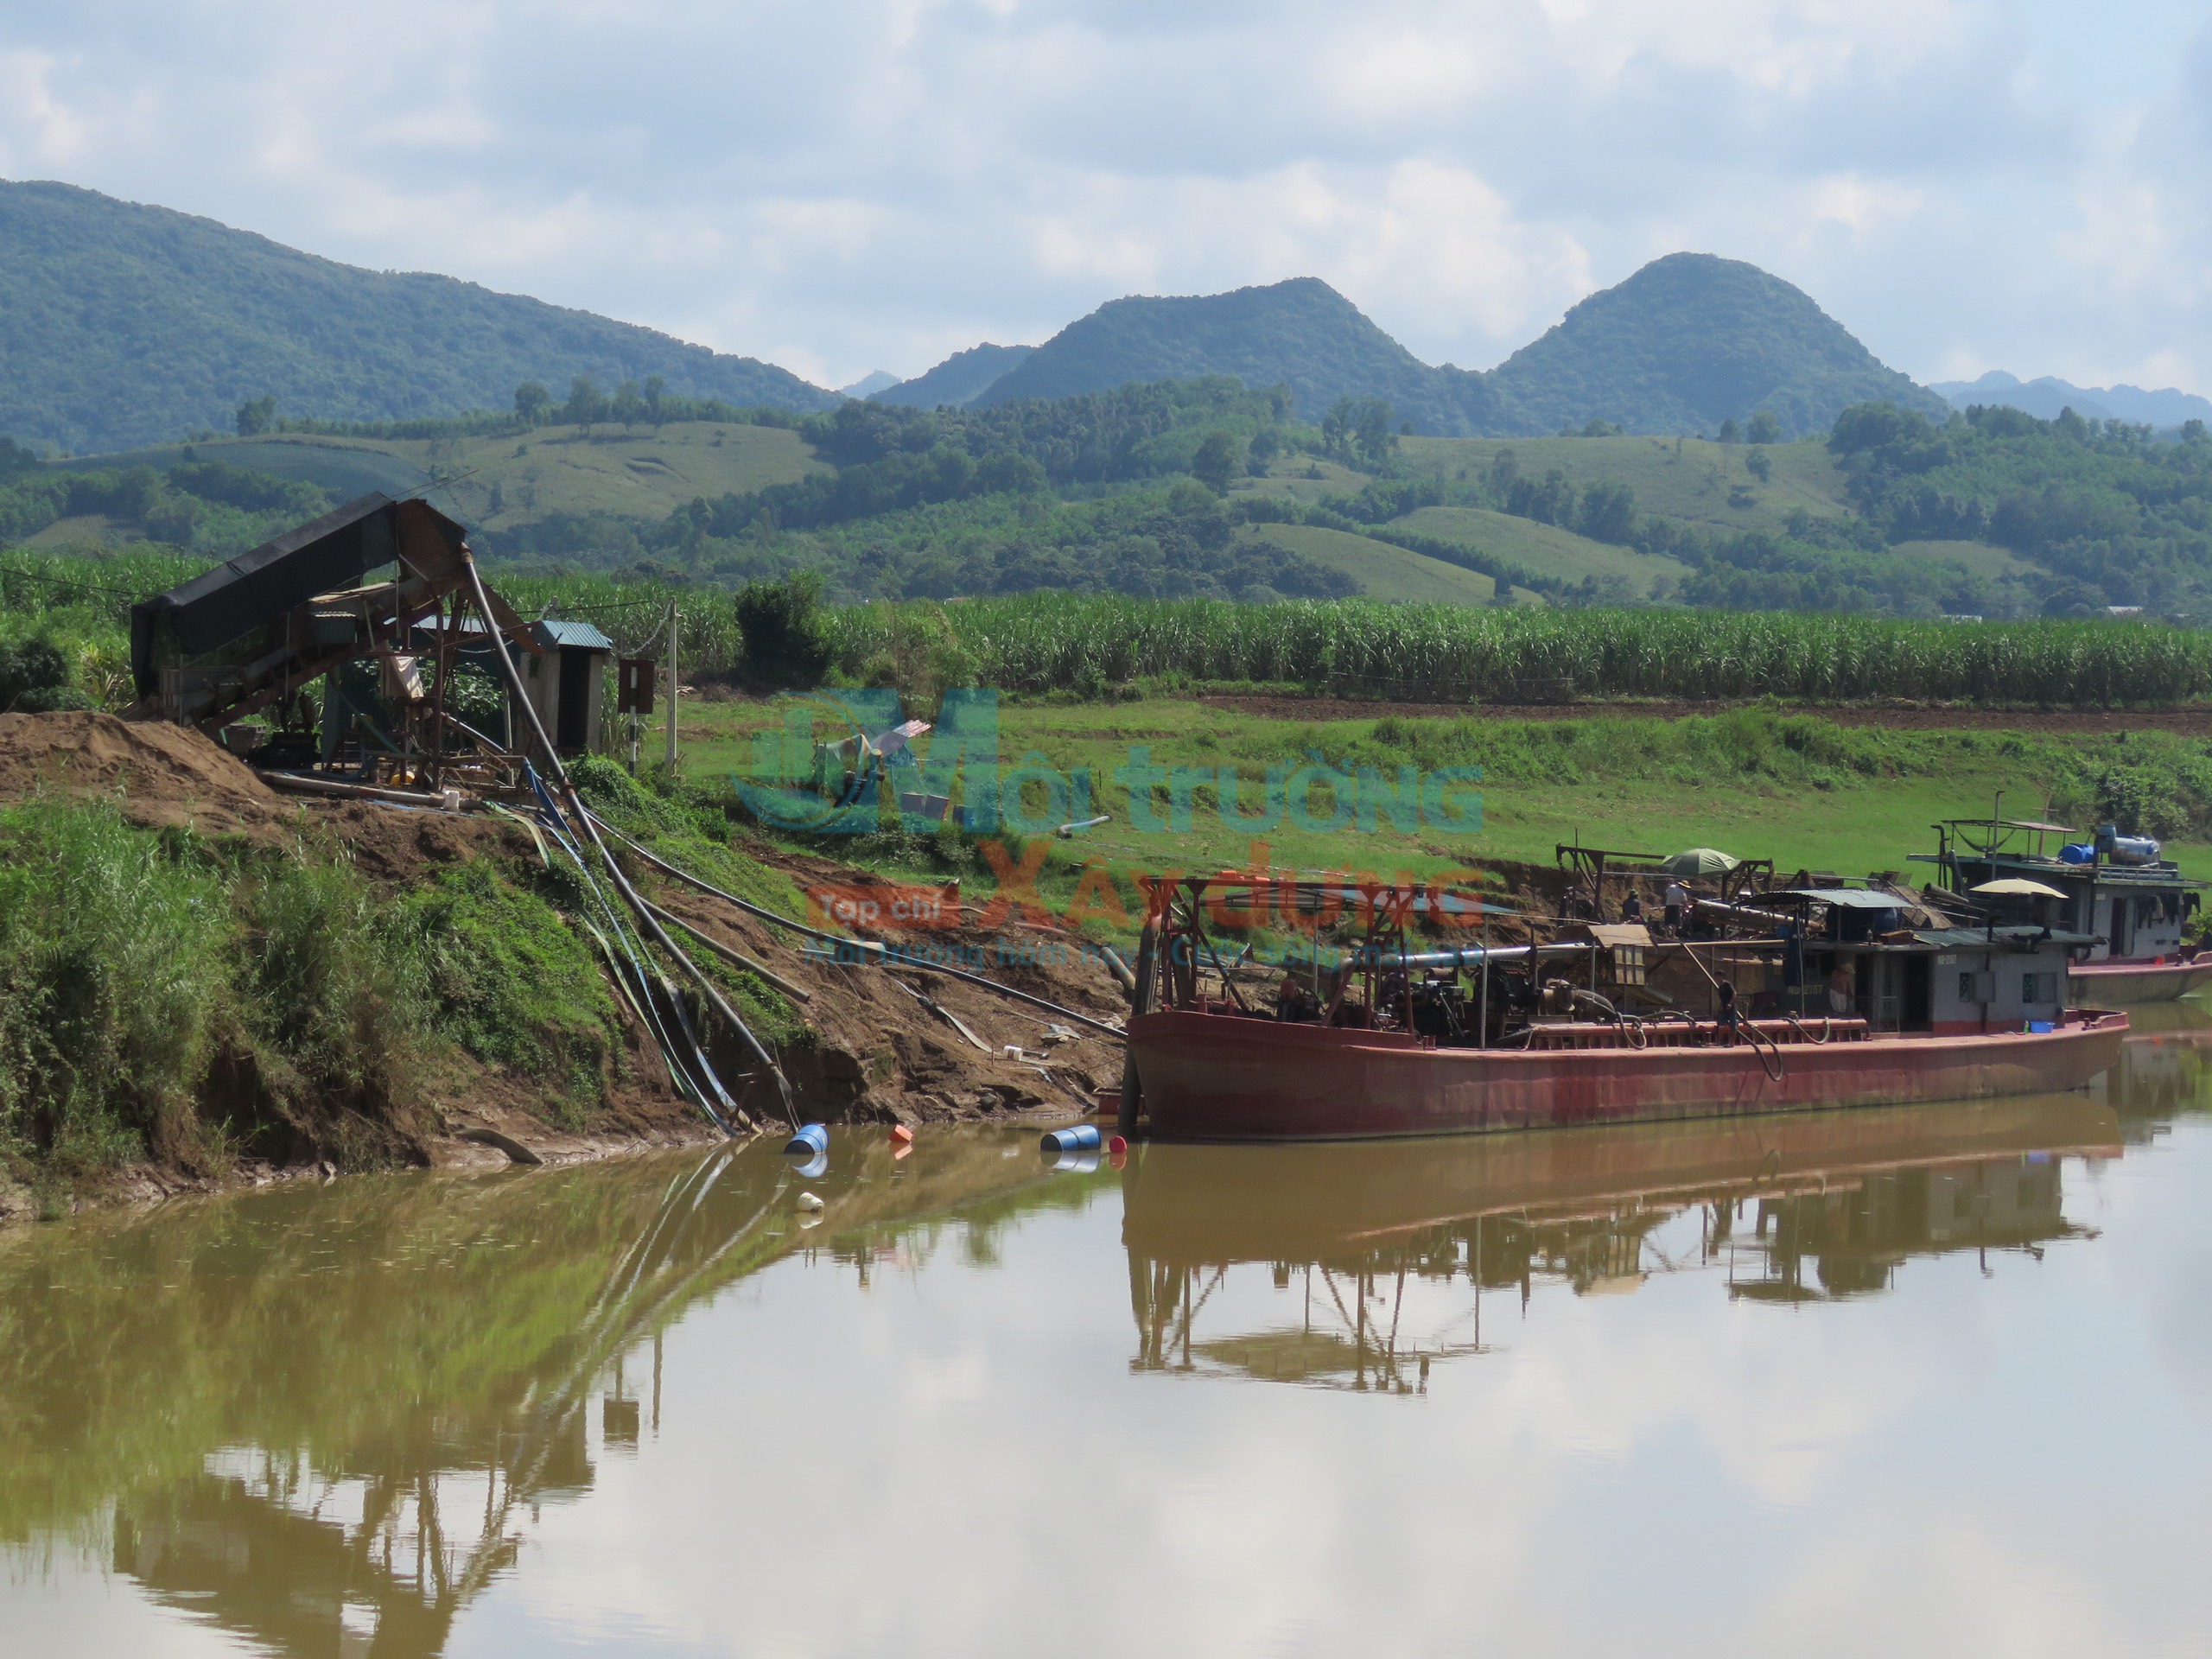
x,y
1931,1380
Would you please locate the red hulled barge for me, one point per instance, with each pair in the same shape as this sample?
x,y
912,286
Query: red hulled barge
x,y
1824,998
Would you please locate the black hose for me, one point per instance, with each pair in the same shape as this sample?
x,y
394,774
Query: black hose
x,y
1754,1036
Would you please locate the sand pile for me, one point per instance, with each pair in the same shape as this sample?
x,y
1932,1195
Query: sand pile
x,y
165,774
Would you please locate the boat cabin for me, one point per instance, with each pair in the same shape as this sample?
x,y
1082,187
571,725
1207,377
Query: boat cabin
x,y
1877,954
2135,905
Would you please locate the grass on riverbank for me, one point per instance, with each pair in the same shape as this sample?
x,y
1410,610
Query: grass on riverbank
x,y
168,995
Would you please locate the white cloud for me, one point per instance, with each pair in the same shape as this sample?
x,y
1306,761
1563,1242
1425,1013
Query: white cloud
x,y
38,129
873,183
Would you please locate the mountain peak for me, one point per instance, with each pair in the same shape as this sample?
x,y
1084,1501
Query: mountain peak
x,y
1693,340
1298,332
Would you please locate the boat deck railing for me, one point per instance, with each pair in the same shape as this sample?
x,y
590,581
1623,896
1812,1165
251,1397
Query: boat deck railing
x,y
1694,1034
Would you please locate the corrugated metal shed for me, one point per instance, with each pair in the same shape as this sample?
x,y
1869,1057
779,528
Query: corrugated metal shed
x,y
260,586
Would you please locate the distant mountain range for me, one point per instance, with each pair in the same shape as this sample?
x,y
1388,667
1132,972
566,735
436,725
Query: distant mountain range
x,y
2045,398
1688,342
123,326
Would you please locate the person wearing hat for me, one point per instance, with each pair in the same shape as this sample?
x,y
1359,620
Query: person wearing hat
x,y
1678,897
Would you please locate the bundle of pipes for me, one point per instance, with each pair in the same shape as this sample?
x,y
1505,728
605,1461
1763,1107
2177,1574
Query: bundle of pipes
x,y
565,813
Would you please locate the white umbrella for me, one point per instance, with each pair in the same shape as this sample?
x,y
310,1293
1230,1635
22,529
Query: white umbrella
x,y
1701,860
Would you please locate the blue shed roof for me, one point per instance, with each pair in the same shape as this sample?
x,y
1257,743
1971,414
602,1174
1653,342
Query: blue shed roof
x,y
553,630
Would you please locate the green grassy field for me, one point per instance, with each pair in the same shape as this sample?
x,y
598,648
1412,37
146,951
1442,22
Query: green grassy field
x,y
1978,556
1384,571
1545,548
1690,479
1804,792
345,467
1288,480
81,530
554,469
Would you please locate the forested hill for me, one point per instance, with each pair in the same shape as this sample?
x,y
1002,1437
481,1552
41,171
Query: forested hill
x,y
1686,344
1208,488
1690,341
122,325
1301,333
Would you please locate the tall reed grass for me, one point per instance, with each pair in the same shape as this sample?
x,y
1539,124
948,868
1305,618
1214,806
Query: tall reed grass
x,y
111,974
1043,642
1083,642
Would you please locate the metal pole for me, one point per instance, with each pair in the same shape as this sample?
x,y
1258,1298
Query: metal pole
x,y
671,684
1125,1119
1485,1027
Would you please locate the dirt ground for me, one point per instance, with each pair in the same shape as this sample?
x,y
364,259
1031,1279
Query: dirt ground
x,y
2191,721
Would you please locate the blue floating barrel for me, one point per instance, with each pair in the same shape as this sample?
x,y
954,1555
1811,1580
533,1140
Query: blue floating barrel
x,y
1084,1137
811,1142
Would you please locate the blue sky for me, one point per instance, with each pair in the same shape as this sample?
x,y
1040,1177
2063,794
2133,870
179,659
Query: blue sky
x,y
844,185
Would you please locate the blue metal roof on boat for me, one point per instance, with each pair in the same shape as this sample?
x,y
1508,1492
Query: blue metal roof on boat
x,y
1976,939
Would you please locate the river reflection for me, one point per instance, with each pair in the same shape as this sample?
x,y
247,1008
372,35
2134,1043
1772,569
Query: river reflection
x,y
1899,1376
1788,1209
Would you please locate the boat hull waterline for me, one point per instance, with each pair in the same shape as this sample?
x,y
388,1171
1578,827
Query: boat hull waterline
x,y
2129,984
1210,1077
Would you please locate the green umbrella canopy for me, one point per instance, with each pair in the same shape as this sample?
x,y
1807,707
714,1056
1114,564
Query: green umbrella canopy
x,y
1701,860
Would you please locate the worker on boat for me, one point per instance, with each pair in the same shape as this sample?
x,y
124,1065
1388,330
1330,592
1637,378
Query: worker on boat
x,y
1839,993
1632,906
1727,1019
1678,898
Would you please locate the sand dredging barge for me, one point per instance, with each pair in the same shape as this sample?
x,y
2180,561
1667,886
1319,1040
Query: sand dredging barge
x,y
1811,998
